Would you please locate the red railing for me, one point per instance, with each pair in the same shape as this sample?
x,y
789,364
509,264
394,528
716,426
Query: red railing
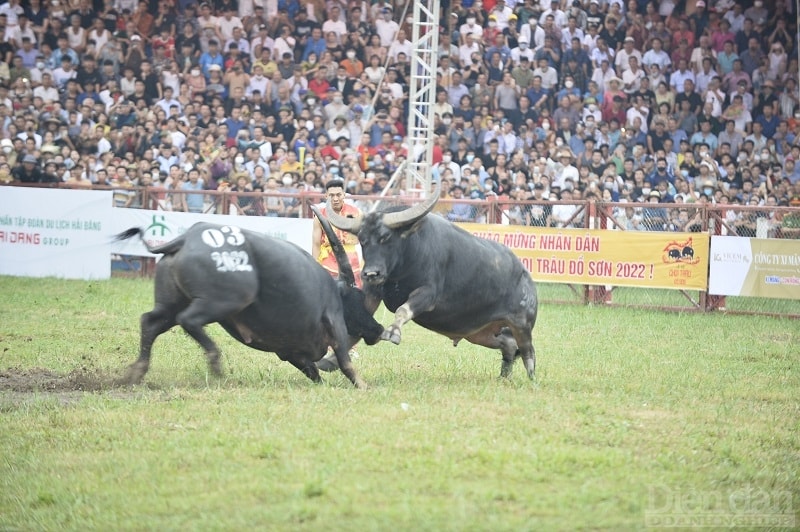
x,y
748,221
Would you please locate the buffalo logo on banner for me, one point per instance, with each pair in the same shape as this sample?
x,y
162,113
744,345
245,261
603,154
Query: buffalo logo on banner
x,y
679,252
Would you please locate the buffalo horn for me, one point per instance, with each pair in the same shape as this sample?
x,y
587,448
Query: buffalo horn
x,y
345,270
351,225
412,214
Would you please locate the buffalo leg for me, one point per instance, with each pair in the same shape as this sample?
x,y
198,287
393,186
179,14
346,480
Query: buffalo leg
x,y
346,365
421,300
403,315
328,362
526,349
332,362
308,368
528,354
512,342
504,341
153,324
517,342
509,349
193,320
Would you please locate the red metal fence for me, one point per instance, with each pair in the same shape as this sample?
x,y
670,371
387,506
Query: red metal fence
x,y
747,221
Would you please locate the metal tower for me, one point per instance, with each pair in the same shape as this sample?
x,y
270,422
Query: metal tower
x,y
422,96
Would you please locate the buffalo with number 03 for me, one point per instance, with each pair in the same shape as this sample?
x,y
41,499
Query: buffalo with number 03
x,y
265,292
426,269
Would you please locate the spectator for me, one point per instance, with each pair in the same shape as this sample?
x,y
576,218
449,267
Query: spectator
x,y
460,211
512,77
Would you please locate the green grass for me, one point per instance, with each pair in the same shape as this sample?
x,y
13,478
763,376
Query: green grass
x,y
629,407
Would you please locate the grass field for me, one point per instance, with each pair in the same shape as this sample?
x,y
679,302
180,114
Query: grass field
x,y
635,418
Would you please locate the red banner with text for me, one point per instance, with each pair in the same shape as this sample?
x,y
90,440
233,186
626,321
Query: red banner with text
x,y
600,257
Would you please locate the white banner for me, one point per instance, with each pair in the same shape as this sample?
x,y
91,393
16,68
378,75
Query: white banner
x,y
162,226
70,233
55,233
755,267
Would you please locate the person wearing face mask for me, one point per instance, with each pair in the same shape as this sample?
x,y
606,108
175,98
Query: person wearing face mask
x,y
569,91
757,13
447,163
336,107
491,31
352,65
471,27
661,173
37,70
344,82
522,50
590,109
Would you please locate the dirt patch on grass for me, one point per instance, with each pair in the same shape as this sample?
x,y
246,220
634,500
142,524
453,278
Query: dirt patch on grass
x,y
25,386
44,380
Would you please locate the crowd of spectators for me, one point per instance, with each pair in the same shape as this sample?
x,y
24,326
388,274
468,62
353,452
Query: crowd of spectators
x,y
671,101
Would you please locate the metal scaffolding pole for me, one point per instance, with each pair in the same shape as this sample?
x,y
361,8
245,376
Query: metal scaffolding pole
x,y
422,96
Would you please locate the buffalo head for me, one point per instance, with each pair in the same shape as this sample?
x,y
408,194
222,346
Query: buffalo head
x,y
380,235
357,318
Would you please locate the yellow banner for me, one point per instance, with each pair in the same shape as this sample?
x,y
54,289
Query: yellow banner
x,y
600,257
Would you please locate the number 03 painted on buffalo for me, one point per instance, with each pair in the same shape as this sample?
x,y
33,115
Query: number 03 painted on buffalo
x,y
216,238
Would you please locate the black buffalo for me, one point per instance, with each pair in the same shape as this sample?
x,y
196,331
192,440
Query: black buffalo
x,y
267,293
430,271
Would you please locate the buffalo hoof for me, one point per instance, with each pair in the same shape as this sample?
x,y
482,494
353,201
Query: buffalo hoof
x,y
391,335
506,368
215,369
215,364
133,376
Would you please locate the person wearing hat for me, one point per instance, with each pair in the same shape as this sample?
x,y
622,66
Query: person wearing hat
x,y
654,218
502,13
28,171
622,59
564,168
385,27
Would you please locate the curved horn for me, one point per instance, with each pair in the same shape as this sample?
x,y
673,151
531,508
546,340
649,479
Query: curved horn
x,y
412,214
345,270
351,225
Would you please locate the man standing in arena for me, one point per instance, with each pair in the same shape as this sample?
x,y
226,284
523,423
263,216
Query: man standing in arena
x,y
322,251
321,247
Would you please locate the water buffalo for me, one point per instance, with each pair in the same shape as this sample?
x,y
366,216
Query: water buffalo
x,y
430,271
267,293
